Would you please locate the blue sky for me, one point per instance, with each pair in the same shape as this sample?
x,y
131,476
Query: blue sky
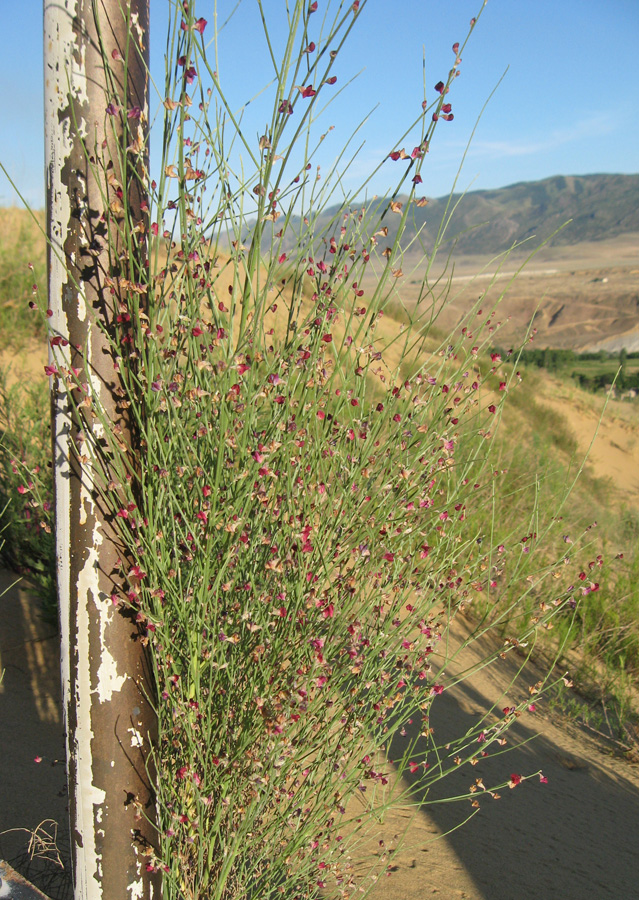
x,y
569,103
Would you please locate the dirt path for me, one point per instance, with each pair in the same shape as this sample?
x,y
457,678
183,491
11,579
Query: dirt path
x,y
572,838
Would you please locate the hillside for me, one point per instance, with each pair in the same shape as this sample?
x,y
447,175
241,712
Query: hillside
x,y
488,222
600,207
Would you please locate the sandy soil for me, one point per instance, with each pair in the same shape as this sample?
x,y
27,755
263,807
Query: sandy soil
x,y
25,364
572,838
607,431
582,297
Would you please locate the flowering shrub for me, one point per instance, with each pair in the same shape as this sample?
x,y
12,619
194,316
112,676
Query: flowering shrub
x,y
302,514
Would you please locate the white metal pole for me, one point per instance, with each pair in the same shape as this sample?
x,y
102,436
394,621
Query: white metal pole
x,y
105,672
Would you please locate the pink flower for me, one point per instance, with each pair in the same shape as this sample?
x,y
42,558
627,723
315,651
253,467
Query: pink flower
x,y
200,25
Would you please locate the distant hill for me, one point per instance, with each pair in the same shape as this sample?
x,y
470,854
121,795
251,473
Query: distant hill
x,y
600,206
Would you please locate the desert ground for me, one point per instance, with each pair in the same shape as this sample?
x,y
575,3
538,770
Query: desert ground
x,y
584,297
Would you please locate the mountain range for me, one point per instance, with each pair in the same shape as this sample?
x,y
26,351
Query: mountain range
x,y
490,221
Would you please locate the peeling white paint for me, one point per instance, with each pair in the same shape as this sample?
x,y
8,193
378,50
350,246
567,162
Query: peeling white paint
x,y
137,740
58,36
136,28
89,798
136,890
109,681
63,74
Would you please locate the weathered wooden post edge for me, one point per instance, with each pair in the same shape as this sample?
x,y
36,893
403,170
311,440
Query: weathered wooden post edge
x,y
110,725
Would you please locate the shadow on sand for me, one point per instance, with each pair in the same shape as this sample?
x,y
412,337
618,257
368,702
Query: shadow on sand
x,y
33,795
575,837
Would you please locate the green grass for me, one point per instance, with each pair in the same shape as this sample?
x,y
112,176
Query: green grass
x,y
592,367
592,371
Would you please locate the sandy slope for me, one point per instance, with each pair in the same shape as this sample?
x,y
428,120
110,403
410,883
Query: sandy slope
x,y
572,838
607,431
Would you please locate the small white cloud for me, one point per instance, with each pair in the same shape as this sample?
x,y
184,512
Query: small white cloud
x,y
592,126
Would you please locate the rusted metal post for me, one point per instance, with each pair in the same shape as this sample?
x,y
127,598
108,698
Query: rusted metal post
x,y
96,52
